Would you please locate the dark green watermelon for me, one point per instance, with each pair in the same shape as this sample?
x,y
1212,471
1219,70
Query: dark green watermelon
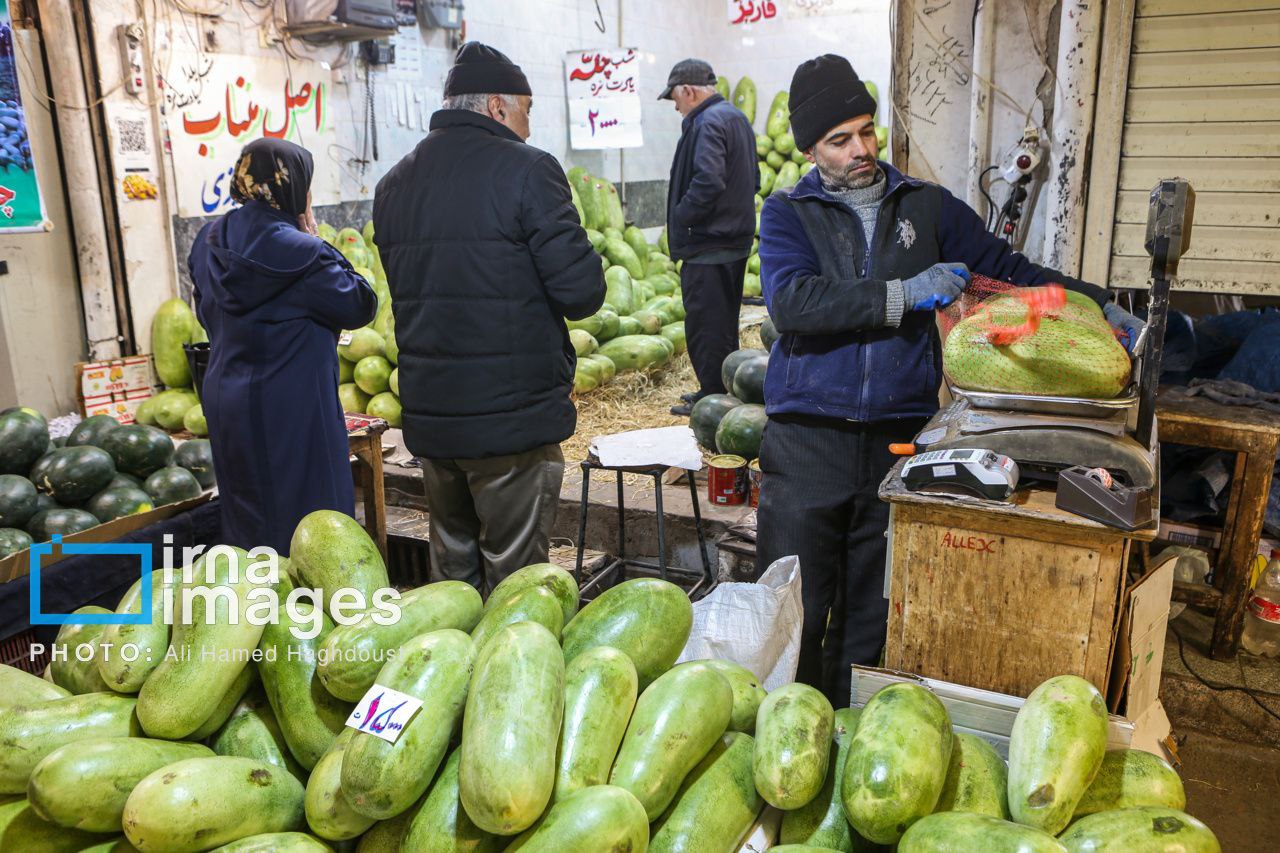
x,y
17,500
173,484
77,474
122,479
768,333
112,503
12,541
707,413
92,431
731,362
748,379
741,430
36,474
138,449
63,520
27,410
59,441
44,502
24,438
196,456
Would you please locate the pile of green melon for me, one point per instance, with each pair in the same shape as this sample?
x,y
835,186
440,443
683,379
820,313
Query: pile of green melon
x,y
641,324
100,472
544,727
734,422
177,407
782,165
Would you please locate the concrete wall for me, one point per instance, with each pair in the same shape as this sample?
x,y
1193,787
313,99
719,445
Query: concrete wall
x,y
41,330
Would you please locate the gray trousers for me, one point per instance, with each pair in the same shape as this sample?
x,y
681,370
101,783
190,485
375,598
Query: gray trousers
x,y
490,517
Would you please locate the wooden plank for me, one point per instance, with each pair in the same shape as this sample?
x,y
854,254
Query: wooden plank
x,y
1181,69
1150,8
1239,545
983,622
1206,174
1214,31
1108,134
1200,139
1213,103
1209,242
1199,421
1250,210
1244,277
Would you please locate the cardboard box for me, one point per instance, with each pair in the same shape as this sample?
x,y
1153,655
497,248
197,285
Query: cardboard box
x,y
101,385
1195,535
19,564
123,409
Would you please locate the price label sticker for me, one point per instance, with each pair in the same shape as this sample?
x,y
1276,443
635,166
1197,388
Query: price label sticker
x,y
344,338
384,713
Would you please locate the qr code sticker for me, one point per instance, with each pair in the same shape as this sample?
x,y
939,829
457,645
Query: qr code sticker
x,y
133,136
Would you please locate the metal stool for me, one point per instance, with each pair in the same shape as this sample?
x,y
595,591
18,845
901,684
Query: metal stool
x,y
701,584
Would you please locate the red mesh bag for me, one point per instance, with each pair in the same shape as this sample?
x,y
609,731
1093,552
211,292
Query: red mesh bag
x,y
1042,341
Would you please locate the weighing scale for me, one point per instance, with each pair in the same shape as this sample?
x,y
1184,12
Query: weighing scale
x,y
1046,436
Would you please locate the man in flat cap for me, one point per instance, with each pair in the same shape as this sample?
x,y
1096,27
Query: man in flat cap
x,y
853,262
485,257
711,218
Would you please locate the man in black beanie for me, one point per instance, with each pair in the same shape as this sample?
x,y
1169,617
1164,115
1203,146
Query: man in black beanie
x,y
853,262
485,256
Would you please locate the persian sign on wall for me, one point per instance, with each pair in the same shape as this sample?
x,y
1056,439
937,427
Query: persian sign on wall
x,y
753,11
603,87
21,207
215,104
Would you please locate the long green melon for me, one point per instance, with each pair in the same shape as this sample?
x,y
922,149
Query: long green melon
x,y
382,779
329,814
1142,830
977,779
744,98
330,551
510,729
647,618
173,325
532,604
1059,738
946,832
30,732
354,654
1129,778
253,732
747,694
23,688
440,824
201,803
549,575
22,829
1066,356
821,822
146,644
226,706
715,806
310,717
793,739
897,762
208,650
277,842
77,670
84,785
599,695
677,720
601,817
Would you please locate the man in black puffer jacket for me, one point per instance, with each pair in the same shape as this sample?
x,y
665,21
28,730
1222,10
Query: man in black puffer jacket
x,y
485,257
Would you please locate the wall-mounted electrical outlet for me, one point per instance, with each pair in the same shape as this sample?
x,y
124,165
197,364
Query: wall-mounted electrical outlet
x,y
130,38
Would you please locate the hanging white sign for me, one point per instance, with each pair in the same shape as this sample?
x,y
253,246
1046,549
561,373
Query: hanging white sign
x,y
603,89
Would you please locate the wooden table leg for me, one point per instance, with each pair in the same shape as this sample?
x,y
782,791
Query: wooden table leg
x,y
1240,545
375,497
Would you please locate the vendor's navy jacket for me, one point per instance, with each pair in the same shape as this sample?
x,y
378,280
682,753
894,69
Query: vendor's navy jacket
x,y
273,300
485,257
826,295
714,177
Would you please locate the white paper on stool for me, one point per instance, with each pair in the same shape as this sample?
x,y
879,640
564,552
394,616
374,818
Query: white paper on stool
x,y
673,446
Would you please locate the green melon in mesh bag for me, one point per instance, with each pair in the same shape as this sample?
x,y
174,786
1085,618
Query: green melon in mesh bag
x,y
1072,353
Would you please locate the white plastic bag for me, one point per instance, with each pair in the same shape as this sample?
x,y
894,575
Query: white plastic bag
x,y
756,625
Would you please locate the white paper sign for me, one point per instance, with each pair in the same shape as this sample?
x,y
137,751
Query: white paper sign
x,y
673,446
752,11
603,88
384,713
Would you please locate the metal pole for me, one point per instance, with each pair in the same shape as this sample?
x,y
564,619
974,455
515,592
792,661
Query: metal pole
x,y
984,50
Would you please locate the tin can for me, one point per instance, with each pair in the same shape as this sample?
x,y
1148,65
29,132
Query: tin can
x,y
756,476
727,480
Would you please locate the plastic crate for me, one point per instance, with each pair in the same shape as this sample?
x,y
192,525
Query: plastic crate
x,y
16,652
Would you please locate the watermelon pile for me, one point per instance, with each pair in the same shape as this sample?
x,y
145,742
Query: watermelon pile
x,y
543,727
641,324
781,163
177,407
100,472
734,422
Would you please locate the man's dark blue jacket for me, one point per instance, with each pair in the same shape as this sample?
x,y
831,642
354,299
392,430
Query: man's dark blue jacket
x,y
835,356
714,177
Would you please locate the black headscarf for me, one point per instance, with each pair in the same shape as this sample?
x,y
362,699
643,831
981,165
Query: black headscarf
x,y
276,172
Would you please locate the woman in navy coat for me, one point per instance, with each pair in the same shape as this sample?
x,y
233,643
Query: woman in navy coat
x,y
273,297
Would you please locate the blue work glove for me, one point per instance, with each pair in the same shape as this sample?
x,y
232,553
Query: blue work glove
x,y
936,287
1129,326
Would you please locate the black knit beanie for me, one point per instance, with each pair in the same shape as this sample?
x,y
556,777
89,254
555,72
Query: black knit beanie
x,y
825,92
480,69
